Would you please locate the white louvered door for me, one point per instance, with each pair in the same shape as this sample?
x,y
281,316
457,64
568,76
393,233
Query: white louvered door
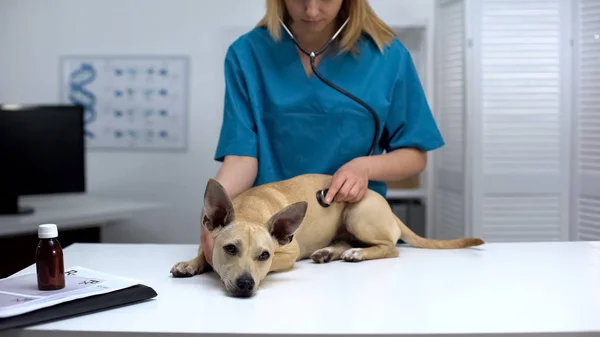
x,y
449,192
586,185
523,157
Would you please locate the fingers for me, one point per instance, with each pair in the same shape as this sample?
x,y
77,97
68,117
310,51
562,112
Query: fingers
x,y
344,192
355,194
336,183
347,186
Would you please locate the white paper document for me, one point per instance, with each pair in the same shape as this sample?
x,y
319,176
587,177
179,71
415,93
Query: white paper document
x,y
19,294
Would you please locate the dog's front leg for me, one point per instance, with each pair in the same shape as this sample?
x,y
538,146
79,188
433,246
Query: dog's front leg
x,y
195,266
285,258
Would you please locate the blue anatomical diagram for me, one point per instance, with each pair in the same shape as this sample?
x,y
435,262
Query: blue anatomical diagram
x,y
79,95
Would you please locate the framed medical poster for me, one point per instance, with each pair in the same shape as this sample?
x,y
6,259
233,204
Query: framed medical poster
x,y
130,102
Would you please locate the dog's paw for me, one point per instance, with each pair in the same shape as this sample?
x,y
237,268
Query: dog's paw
x,y
185,269
322,255
353,255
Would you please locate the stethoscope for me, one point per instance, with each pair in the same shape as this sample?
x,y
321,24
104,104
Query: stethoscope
x,y
313,55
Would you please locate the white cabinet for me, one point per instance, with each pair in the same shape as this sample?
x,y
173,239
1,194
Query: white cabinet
x,y
448,201
505,103
586,127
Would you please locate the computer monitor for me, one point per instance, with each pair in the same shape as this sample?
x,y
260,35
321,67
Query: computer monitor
x,y
42,151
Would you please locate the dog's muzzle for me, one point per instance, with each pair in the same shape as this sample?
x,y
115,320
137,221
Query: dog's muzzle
x,y
244,286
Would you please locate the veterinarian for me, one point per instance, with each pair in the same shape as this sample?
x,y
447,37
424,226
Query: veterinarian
x,y
280,120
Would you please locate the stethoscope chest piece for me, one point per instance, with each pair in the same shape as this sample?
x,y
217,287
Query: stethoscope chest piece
x,y
321,194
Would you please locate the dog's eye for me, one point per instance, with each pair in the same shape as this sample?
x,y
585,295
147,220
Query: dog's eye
x,y
264,256
231,249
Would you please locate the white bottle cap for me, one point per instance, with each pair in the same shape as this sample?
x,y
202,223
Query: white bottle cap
x,y
47,231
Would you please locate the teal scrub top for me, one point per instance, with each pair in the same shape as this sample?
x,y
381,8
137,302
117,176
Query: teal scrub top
x,y
295,124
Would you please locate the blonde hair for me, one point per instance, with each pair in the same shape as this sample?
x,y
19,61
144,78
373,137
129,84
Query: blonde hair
x,y
362,20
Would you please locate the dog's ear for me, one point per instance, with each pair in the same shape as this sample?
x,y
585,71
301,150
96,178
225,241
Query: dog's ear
x,y
285,223
218,209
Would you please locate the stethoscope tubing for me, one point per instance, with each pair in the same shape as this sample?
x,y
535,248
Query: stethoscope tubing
x,y
313,55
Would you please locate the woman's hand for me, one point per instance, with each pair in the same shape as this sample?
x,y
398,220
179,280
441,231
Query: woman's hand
x,y
207,244
350,182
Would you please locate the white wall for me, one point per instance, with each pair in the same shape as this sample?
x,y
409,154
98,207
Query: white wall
x,y
42,30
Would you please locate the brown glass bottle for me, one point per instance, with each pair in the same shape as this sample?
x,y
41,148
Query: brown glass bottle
x,y
49,259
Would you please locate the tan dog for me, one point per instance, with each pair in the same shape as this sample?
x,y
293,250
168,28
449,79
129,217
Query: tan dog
x,y
270,227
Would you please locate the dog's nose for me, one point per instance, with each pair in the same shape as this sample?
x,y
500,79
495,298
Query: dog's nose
x,y
245,283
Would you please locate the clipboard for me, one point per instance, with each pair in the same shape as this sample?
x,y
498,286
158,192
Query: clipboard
x,y
95,303
86,291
